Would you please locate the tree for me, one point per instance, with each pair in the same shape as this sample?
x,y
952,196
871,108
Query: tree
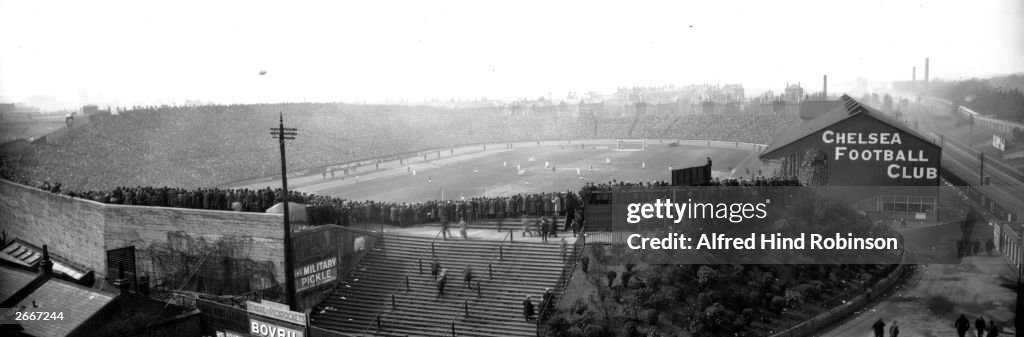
x,y
611,278
706,276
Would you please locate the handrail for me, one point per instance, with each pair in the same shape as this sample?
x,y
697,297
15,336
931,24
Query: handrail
x,y
499,254
562,283
398,289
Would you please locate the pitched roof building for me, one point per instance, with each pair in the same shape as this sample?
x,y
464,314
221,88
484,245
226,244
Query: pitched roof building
x,y
877,158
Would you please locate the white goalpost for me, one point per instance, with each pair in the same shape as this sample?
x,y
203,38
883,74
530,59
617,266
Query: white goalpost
x,y
631,145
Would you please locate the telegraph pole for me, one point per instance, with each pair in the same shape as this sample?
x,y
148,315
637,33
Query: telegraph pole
x,y
981,171
283,134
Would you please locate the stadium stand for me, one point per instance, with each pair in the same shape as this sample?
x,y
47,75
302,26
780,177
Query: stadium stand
x,y
203,146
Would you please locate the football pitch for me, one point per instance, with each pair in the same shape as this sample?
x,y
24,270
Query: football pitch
x,y
531,169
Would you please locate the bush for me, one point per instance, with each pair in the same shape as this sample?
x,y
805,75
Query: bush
x,y
558,326
679,295
658,300
594,330
706,276
793,298
748,313
654,283
653,333
715,314
651,317
585,264
581,321
707,298
643,296
579,306
630,329
777,304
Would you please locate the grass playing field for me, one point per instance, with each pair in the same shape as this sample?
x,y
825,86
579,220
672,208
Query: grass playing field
x,y
522,170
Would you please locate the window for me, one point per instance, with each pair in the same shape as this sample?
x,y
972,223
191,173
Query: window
x,y
908,204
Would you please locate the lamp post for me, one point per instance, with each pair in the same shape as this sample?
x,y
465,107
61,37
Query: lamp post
x,y
283,134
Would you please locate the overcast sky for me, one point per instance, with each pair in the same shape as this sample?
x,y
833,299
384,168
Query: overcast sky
x,y
136,51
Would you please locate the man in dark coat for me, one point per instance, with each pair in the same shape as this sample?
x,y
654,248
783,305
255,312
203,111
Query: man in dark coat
x,y
445,230
467,276
962,325
879,328
543,229
527,308
575,227
980,325
442,279
545,303
435,269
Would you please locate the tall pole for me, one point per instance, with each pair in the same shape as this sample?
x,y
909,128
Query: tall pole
x,y
289,254
981,171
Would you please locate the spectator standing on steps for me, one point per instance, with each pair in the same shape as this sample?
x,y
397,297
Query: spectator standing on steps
x,y
467,276
435,269
441,280
543,229
463,227
526,227
445,230
575,227
527,308
545,304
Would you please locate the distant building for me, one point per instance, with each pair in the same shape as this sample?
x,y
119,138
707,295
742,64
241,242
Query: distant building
x,y
794,93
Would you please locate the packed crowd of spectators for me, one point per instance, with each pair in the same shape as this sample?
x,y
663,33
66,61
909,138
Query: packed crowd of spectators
x,y
203,146
756,181
322,209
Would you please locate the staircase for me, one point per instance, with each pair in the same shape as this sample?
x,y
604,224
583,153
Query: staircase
x,y
365,297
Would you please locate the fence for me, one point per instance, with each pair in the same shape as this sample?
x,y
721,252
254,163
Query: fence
x,y
1009,240
840,311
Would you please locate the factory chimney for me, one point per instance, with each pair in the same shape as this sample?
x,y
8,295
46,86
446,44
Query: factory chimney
x,y
926,68
824,92
914,77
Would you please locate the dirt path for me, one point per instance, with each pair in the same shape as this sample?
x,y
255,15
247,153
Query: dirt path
x,y
929,304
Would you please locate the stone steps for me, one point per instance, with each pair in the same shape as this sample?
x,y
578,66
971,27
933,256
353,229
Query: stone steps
x,y
495,309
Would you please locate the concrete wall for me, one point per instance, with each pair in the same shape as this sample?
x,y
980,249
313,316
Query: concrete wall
x,y
72,228
230,252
